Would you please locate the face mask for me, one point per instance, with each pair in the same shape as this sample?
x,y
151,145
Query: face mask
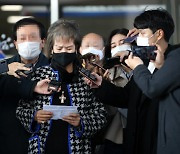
x,y
62,59
143,41
29,50
93,51
120,48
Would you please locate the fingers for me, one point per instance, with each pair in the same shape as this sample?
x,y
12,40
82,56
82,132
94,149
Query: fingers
x,y
42,87
73,119
43,116
44,82
13,67
133,32
106,74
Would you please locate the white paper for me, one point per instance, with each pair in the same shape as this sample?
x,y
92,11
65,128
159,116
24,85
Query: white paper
x,y
60,111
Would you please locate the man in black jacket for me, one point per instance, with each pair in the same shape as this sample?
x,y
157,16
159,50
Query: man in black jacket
x,y
29,36
155,27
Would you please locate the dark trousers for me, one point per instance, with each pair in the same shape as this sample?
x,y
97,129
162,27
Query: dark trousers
x,y
112,148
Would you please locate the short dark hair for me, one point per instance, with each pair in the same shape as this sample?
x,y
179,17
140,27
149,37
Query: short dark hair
x,y
154,20
29,21
122,31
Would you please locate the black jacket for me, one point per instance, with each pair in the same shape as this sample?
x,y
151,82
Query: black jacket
x,y
43,60
142,120
13,137
14,87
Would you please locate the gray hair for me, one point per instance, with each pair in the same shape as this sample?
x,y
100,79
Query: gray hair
x,y
65,29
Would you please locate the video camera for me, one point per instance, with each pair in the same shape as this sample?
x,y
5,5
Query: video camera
x,y
3,66
89,56
143,52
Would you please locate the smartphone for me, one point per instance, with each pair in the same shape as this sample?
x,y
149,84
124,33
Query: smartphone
x,y
111,62
18,72
28,66
86,73
130,39
54,85
3,66
97,65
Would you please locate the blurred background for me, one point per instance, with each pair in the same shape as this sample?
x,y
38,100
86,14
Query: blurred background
x,y
99,16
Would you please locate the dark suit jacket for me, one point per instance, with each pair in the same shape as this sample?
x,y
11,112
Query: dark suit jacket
x,y
13,137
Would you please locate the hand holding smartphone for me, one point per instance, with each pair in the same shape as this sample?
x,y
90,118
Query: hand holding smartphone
x,y
86,73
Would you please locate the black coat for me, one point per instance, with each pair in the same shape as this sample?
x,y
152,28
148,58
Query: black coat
x,y
164,85
142,120
42,61
11,88
14,87
13,137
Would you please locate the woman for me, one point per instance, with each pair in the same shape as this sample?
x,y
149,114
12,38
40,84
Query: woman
x,y
73,133
119,75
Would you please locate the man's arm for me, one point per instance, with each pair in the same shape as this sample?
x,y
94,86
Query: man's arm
x,y
22,88
163,81
113,95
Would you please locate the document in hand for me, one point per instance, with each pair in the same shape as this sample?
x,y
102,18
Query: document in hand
x,y
60,111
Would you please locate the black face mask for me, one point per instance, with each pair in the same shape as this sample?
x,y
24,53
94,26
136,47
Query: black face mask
x,y
63,59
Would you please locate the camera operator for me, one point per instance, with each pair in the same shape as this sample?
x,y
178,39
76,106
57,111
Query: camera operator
x,y
155,27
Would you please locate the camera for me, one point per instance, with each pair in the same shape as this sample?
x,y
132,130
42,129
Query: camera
x,y
111,62
144,52
54,85
89,56
86,73
3,66
18,72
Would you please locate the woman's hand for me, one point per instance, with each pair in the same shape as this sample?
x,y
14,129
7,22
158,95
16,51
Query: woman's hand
x,y
43,116
73,119
94,84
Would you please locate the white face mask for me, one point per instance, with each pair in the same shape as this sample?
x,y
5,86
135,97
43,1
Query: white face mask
x,y
142,41
120,48
93,51
29,50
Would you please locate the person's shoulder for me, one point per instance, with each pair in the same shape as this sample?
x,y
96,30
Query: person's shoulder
x,y
175,51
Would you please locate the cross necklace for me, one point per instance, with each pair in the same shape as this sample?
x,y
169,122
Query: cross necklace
x,y
62,98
